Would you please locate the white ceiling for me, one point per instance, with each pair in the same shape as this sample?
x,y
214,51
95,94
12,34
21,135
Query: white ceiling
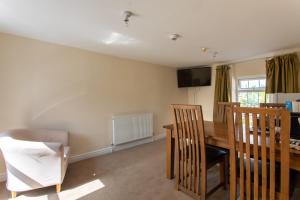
x,y
237,29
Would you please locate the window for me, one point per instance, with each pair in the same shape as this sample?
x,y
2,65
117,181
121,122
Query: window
x,y
251,91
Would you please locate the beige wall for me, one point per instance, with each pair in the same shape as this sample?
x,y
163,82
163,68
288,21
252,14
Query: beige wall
x,y
204,96
52,86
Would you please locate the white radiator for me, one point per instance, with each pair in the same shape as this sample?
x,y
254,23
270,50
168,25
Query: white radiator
x,y
131,127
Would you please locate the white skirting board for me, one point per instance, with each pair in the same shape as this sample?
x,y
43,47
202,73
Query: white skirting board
x,y
106,150
132,144
91,154
159,137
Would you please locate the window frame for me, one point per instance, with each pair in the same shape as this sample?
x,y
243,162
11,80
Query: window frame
x,y
239,89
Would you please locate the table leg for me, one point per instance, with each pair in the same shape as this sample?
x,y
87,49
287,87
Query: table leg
x,y
170,152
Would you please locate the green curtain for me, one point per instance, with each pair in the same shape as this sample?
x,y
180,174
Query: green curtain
x,y
222,90
282,74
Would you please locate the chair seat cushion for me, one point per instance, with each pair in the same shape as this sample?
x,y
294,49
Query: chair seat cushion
x,y
213,154
277,174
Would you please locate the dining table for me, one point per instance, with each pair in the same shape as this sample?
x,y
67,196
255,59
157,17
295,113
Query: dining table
x,y
216,134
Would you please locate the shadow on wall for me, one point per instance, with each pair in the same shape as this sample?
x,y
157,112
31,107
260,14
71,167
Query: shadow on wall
x,y
52,105
61,111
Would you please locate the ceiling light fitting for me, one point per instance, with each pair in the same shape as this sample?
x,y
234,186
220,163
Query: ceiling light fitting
x,y
174,36
127,15
215,54
207,50
204,49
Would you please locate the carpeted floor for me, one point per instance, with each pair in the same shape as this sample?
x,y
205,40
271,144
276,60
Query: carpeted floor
x,y
133,174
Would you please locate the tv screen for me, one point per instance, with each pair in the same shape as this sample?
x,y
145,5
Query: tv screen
x,y
295,126
200,76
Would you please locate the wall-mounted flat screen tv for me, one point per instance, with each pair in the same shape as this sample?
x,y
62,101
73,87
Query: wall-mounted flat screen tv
x,y
192,77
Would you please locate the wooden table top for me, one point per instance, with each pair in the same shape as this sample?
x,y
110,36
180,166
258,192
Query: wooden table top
x,y
216,134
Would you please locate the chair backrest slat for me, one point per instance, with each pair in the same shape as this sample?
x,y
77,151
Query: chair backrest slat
x,y
248,155
256,158
263,156
254,140
190,149
192,166
197,155
241,154
272,156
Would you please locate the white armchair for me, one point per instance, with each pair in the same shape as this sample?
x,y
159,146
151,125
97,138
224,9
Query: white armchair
x,y
34,158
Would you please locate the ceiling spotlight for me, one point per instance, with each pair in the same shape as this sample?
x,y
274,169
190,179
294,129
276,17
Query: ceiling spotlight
x,y
127,14
204,49
174,36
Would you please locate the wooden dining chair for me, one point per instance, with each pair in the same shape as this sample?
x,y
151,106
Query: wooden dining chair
x,y
193,157
259,159
221,110
272,105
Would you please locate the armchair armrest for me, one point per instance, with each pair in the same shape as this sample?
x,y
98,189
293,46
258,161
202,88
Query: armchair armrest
x,y
14,146
38,135
56,136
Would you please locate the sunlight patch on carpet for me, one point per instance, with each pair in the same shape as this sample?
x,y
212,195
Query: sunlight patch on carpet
x,y
82,190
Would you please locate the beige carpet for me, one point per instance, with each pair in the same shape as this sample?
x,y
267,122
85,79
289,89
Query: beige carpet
x,y
133,174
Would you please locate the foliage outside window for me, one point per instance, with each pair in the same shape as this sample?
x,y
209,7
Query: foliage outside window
x,y
251,91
